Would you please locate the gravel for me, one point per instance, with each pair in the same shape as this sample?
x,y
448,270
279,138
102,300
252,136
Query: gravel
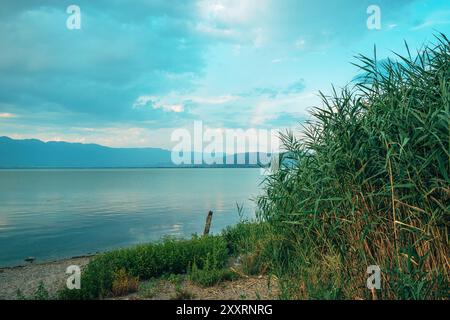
x,y
27,278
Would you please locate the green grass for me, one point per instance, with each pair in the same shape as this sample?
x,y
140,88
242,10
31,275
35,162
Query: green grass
x,y
148,289
202,260
208,276
369,185
41,293
147,261
254,244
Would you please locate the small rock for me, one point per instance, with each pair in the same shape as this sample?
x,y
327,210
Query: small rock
x,y
30,259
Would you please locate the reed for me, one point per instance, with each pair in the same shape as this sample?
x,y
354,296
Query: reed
x,y
368,184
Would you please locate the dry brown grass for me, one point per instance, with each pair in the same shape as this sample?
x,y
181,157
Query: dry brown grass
x,y
124,283
247,288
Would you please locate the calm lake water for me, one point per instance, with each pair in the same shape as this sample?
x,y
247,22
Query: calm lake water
x,y
56,213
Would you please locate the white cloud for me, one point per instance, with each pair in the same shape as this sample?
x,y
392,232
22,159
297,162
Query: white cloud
x,y
157,103
231,11
172,108
430,23
174,102
236,20
7,115
268,110
143,101
218,33
213,100
120,136
300,43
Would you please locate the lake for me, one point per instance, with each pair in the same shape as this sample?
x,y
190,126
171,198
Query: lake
x,y
59,213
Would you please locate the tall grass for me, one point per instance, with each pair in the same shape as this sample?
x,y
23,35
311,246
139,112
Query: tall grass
x,y
368,184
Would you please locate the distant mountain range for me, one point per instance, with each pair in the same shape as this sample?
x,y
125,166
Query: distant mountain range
x,y
33,153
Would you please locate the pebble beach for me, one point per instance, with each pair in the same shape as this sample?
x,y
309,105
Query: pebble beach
x,y
27,278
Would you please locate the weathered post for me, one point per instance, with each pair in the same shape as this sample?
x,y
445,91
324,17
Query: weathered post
x,y
208,223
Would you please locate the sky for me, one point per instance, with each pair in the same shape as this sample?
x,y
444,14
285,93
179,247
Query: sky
x,y
135,71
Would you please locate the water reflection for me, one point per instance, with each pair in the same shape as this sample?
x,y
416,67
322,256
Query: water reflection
x,y
60,213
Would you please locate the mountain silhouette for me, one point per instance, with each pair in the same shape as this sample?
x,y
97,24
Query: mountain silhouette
x,y
33,153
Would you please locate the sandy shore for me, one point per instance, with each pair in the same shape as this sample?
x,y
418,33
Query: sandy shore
x,y
52,274
27,278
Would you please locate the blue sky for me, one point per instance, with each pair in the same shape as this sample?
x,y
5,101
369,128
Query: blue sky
x,y
137,70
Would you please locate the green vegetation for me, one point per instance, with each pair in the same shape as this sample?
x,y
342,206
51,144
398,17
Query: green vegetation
x,y
202,260
255,245
144,262
182,294
368,184
124,283
148,289
41,293
209,276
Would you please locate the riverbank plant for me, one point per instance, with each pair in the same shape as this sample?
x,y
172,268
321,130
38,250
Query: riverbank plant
x,y
112,271
368,184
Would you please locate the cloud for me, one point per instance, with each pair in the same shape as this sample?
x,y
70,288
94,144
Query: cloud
x,y
295,87
172,108
300,23
215,100
273,92
99,70
5,115
176,102
278,111
116,136
157,103
235,12
218,33
300,43
430,23
157,64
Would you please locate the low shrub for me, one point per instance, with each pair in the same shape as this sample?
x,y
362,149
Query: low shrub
x,y
170,256
148,289
210,276
123,283
254,244
41,293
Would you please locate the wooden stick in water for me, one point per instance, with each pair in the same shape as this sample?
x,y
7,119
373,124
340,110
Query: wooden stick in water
x,y
208,223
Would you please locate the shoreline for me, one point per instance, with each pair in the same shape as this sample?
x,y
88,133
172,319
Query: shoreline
x,y
27,278
49,261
